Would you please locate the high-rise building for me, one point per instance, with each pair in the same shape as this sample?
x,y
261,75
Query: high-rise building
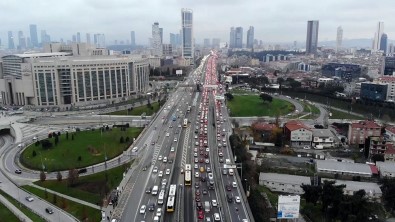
x,y
88,38
391,48
11,44
216,43
33,35
187,33
383,43
132,38
173,40
161,35
312,37
206,43
377,36
156,42
78,37
232,38
250,37
339,38
74,38
239,37
45,38
21,40
99,40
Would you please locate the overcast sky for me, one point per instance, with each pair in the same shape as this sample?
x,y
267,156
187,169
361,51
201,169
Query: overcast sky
x,y
274,20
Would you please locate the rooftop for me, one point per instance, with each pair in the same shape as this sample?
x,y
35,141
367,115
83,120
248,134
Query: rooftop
x,y
295,124
355,186
365,124
43,54
343,167
322,132
284,178
386,166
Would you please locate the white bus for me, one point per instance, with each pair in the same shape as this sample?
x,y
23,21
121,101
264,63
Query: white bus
x,y
171,201
185,123
161,197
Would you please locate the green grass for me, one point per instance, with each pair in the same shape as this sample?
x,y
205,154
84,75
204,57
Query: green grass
x,y
336,114
77,210
311,110
91,146
34,217
273,197
6,214
138,110
89,188
244,106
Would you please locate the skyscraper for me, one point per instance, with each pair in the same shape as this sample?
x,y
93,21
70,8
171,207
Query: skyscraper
x,y
339,38
206,43
161,35
312,37
377,36
11,44
232,38
250,37
33,35
239,37
88,38
187,33
132,38
99,40
44,37
21,40
383,43
216,43
156,42
78,37
173,40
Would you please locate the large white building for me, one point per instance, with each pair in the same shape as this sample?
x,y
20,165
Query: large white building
x,y
156,41
60,79
187,34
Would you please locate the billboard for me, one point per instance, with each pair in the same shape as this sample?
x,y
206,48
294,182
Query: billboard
x,y
288,207
179,72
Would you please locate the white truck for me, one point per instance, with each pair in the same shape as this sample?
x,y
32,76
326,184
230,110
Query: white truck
x,y
155,190
207,206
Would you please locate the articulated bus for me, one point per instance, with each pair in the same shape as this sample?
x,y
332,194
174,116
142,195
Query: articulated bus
x,y
185,123
171,201
188,178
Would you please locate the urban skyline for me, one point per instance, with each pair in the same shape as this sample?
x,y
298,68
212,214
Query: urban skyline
x,y
115,27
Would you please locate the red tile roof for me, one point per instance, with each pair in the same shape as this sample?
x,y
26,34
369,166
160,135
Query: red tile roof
x,y
365,124
374,169
390,129
265,126
387,78
294,125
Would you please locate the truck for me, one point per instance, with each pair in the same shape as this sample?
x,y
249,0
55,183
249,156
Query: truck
x,y
207,206
155,190
319,147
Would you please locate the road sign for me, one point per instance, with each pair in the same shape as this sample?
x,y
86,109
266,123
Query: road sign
x,y
288,207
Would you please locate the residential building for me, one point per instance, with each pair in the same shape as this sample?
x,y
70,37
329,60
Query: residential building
x,y
291,184
33,35
389,154
59,79
377,36
358,132
264,130
374,91
339,38
386,169
377,145
250,37
383,43
390,133
45,38
21,41
99,40
187,34
344,168
156,41
312,37
298,134
173,40
323,137
132,38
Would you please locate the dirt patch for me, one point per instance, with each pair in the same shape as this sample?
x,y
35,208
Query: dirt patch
x,y
96,187
93,151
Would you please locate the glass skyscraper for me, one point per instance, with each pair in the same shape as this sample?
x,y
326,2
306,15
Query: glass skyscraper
x,y
312,37
187,33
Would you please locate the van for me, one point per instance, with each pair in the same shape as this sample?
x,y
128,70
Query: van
x,y
207,206
155,190
231,172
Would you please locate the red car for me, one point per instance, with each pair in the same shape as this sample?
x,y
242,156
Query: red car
x,y
200,214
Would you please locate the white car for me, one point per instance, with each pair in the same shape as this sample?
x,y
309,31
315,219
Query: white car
x,y
216,217
207,161
167,134
196,143
160,157
29,198
179,125
207,149
234,184
197,174
214,203
237,199
195,154
175,139
159,212
196,166
306,147
195,149
172,149
196,160
155,170
142,209
167,171
160,174
165,159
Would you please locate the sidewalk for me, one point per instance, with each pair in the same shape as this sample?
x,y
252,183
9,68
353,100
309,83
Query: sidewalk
x,y
21,216
67,197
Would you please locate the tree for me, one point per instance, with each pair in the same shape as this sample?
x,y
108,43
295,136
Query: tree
x,y
229,96
49,135
332,196
121,140
45,144
280,81
56,140
34,153
72,177
377,157
72,136
387,186
67,135
43,177
79,158
266,97
311,193
127,139
59,176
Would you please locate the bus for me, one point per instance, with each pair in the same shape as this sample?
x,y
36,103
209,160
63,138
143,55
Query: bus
x,y
188,178
185,123
161,197
172,198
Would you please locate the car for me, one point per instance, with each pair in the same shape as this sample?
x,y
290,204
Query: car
x,y
203,179
197,174
234,184
214,203
29,198
170,126
160,174
197,192
221,160
201,160
228,187
195,149
216,217
220,154
175,139
200,215
199,206
167,171
197,185
142,209
18,171
148,190
208,169
204,192
172,149
49,210
151,207
165,159
195,154
155,170
153,143
167,134
159,212
306,147
164,182
196,166
237,199
160,157
207,161
219,144
207,149
197,199
196,160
